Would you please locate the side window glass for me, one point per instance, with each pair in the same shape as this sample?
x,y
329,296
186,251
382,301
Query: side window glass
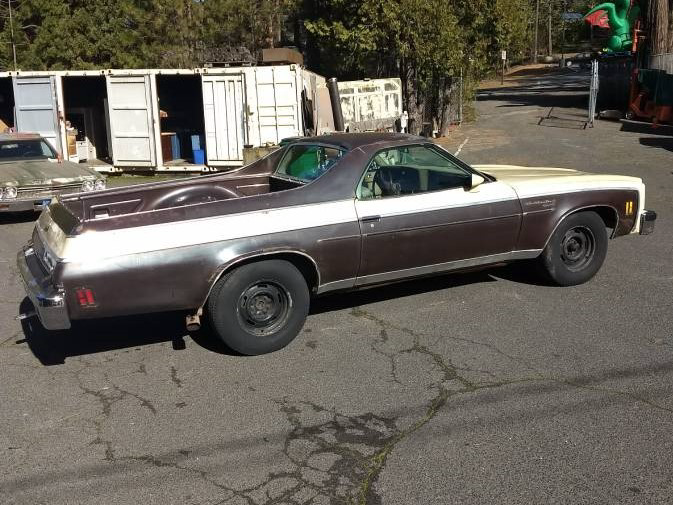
x,y
409,170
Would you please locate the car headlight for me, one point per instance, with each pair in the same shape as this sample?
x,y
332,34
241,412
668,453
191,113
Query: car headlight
x,y
87,186
9,192
99,184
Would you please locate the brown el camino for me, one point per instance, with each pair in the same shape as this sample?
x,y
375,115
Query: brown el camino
x,y
328,213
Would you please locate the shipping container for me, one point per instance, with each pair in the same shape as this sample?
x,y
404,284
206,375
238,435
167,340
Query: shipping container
x,y
165,120
372,104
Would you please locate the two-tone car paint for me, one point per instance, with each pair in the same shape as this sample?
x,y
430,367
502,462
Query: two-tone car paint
x,y
139,254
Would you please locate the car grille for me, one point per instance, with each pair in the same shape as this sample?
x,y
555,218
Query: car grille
x,y
45,192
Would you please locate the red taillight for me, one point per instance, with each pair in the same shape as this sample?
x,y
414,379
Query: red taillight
x,y
85,297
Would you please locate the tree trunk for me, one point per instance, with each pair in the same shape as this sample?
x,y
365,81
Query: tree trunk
x,y
445,106
670,26
410,98
658,18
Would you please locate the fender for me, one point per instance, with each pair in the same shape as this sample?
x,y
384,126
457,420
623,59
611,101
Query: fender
x,y
543,214
314,284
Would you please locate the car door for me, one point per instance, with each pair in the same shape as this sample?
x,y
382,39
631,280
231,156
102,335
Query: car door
x,y
419,214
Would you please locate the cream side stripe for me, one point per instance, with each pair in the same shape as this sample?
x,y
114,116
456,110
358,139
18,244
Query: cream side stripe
x,y
436,200
529,190
108,244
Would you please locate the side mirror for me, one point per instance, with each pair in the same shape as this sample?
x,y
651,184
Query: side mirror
x,y
477,180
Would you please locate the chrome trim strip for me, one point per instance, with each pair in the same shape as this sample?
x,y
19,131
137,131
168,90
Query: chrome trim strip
x,y
439,207
448,266
335,239
252,185
336,285
438,225
559,191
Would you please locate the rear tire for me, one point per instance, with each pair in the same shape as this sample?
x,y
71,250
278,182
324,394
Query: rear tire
x,y
576,250
259,307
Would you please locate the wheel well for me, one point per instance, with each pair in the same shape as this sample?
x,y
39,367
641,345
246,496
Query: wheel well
x,y
303,263
607,214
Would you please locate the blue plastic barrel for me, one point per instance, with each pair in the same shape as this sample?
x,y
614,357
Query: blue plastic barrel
x,y
199,157
175,147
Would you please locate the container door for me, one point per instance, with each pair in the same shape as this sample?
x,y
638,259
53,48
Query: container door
x,y
277,103
131,113
223,105
36,108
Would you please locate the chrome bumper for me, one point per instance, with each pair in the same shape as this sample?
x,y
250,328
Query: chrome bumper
x,y
49,301
22,205
647,220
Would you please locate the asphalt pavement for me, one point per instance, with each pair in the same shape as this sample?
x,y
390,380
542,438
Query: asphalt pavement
x,y
486,387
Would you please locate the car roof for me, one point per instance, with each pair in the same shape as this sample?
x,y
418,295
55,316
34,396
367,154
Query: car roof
x,y
19,136
354,140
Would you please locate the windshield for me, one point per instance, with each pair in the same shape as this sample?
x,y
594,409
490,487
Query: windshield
x,y
36,149
307,162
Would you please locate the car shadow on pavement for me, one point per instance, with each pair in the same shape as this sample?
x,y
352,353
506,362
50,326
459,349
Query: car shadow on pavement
x,y
102,335
18,217
522,272
543,98
657,142
352,299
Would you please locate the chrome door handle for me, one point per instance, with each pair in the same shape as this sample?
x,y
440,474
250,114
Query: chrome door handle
x,y
371,219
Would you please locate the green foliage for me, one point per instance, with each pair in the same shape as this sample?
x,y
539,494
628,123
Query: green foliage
x,y
424,42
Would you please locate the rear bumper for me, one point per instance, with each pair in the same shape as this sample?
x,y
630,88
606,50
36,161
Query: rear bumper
x,y
48,300
647,220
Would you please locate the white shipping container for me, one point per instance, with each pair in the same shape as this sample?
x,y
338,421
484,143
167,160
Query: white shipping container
x,y
138,113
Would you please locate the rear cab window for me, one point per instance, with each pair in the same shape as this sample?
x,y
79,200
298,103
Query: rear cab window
x,y
307,162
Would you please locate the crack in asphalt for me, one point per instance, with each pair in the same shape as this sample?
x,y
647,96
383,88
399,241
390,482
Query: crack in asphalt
x,y
7,341
376,463
174,377
340,459
633,396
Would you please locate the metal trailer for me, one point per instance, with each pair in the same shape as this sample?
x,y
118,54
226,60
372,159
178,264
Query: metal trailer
x,y
157,119
373,104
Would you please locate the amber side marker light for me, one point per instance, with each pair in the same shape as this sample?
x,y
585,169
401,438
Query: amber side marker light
x,y
629,208
85,297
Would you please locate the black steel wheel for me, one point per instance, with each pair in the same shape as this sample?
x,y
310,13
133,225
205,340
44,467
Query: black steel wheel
x,y
578,247
264,307
576,250
259,307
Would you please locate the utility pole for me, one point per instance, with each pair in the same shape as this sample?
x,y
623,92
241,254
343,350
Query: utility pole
x,y
11,31
537,24
550,46
549,30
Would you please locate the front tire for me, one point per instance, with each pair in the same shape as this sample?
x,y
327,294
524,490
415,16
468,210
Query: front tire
x,y
576,250
259,307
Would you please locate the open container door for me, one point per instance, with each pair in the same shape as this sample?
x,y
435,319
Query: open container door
x,y
278,98
223,102
36,108
131,115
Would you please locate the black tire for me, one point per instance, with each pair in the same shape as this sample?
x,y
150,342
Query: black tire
x,y
576,250
259,307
